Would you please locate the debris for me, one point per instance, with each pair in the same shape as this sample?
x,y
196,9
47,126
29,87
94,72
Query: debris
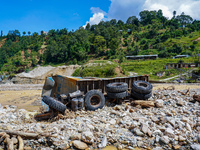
x,y
143,103
186,93
21,143
26,134
169,88
7,140
196,98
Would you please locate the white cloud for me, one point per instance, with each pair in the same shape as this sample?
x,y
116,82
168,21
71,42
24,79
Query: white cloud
x,y
98,15
189,7
97,10
122,9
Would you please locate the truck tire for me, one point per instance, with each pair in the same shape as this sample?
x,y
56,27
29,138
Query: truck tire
x,y
117,95
140,96
94,99
142,87
116,87
53,103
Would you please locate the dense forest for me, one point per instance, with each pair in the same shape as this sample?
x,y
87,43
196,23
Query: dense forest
x,y
151,33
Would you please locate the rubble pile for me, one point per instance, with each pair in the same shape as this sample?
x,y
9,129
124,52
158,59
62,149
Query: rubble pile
x,y
171,122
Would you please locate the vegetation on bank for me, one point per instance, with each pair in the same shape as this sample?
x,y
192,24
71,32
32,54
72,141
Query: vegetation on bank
x,y
152,33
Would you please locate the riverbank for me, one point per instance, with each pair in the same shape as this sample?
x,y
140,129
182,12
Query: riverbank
x,y
173,123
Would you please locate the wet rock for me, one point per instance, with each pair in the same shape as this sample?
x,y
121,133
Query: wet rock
x,y
109,148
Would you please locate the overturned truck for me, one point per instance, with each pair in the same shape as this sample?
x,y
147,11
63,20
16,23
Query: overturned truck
x,y
60,92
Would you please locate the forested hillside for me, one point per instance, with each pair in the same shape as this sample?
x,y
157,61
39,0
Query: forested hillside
x,y
151,33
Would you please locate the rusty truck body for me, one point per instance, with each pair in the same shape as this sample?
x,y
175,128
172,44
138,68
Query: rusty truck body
x,y
59,85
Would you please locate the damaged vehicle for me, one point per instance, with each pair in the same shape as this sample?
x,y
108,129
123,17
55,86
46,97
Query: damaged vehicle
x,y
62,92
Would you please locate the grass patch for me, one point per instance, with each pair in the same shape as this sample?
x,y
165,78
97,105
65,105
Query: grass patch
x,y
97,70
151,67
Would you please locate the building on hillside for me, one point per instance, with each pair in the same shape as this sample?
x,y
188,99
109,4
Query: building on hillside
x,y
181,65
142,57
181,56
129,31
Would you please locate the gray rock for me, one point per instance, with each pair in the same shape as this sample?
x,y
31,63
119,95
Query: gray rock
x,y
140,143
103,142
88,137
138,132
157,148
159,103
188,127
180,102
185,119
169,132
181,138
195,146
149,132
165,139
144,128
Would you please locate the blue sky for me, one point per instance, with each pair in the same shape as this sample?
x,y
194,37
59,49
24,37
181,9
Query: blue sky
x,y
37,15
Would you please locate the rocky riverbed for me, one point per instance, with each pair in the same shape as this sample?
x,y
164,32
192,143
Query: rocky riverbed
x,y
173,123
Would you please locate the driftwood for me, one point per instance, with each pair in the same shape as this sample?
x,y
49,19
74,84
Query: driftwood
x,y
26,134
8,141
186,93
143,103
196,98
21,143
169,88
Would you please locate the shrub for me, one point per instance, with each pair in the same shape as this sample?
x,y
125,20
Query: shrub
x,y
195,42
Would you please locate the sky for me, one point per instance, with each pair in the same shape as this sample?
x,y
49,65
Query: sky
x,y
44,15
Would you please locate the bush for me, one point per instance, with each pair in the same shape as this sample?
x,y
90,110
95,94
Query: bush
x,y
195,42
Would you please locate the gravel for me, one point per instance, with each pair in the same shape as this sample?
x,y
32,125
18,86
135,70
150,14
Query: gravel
x,y
123,126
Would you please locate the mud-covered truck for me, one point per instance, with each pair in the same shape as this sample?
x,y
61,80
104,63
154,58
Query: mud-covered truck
x,y
59,92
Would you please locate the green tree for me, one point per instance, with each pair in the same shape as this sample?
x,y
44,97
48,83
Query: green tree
x,y
133,20
184,19
24,33
99,44
29,33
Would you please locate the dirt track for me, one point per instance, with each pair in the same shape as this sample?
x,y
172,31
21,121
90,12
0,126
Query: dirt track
x,y
28,96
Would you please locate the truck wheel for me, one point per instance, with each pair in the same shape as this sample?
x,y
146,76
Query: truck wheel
x,y
116,87
117,95
142,87
54,103
140,96
94,99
